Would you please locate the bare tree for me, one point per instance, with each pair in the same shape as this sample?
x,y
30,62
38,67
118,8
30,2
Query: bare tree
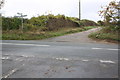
x,y
110,12
2,3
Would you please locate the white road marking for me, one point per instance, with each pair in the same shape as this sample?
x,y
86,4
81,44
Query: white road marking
x,y
26,56
10,73
85,60
66,59
49,45
19,59
107,61
96,48
105,49
25,44
5,58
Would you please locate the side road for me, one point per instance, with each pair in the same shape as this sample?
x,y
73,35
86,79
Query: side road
x,y
81,37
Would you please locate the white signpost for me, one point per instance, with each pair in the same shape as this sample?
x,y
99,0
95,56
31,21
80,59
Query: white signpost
x,y
21,16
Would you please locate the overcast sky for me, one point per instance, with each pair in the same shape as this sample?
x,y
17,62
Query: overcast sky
x,y
89,8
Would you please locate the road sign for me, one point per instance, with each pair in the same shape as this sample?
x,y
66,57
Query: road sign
x,y
21,16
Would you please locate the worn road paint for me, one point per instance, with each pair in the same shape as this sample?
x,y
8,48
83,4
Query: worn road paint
x,y
25,44
49,45
66,59
85,60
10,73
96,48
107,61
5,58
105,49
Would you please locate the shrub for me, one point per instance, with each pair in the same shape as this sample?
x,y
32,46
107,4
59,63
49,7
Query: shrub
x,y
109,29
50,21
60,16
101,23
87,23
10,23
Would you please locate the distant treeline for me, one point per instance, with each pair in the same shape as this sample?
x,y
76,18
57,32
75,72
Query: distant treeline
x,y
13,23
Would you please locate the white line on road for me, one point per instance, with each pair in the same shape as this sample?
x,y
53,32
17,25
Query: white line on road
x,y
96,48
114,49
10,73
107,61
25,44
105,49
49,45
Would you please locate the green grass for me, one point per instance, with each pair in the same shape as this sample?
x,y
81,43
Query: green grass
x,y
102,35
38,35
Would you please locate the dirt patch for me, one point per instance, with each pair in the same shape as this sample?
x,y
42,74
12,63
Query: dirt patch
x,y
60,23
107,41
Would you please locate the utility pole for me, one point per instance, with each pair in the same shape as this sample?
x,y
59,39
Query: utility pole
x,y
21,16
79,9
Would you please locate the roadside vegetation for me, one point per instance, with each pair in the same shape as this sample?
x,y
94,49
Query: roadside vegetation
x,y
38,35
106,34
44,26
111,24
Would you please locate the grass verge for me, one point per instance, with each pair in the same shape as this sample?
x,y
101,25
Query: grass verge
x,y
108,36
38,35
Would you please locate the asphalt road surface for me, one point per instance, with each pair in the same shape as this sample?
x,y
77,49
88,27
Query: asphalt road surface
x,y
39,59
